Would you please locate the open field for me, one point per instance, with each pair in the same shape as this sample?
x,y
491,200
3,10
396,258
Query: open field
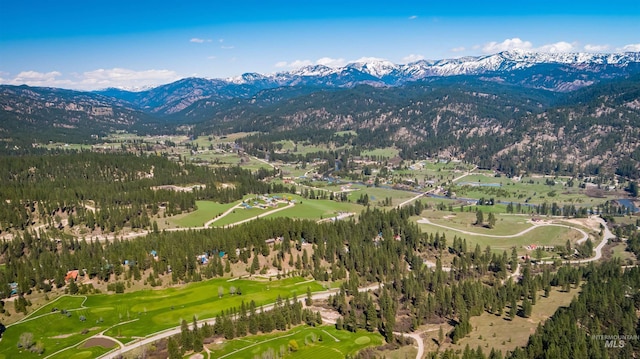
x,y
528,189
137,314
505,225
378,194
620,251
503,334
334,343
206,210
540,236
387,152
203,141
241,214
405,352
316,209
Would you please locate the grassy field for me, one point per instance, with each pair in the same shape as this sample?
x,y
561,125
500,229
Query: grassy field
x,y
206,210
387,152
316,209
503,334
405,352
138,314
528,189
505,225
377,194
240,214
334,343
543,235
620,251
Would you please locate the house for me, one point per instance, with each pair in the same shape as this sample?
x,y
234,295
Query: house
x,y
273,240
203,258
14,289
72,274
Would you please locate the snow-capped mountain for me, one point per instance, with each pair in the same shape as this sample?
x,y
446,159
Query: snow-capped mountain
x,y
503,61
561,72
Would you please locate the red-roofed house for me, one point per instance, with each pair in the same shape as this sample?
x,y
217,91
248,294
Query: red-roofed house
x,y
72,274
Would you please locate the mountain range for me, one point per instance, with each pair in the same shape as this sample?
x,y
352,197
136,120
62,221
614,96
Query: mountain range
x,y
560,72
498,110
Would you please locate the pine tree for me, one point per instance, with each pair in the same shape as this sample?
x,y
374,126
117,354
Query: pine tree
x,y
492,220
174,349
526,308
479,217
514,309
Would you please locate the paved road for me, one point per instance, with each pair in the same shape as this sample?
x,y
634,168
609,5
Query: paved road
x,y
416,336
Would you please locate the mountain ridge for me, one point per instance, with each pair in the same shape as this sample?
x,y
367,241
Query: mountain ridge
x,y
570,71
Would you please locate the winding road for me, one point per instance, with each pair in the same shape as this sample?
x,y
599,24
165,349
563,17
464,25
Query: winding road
x,y
607,235
585,235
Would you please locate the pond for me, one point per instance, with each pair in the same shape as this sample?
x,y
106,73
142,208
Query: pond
x,y
625,202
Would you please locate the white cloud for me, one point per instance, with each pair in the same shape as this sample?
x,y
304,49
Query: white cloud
x,y
595,48
506,45
631,48
519,44
369,59
199,41
561,46
413,17
38,76
211,57
325,61
299,63
35,78
330,62
281,64
412,58
458,49
96,79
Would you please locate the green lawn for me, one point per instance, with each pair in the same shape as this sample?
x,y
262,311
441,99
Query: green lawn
x,y
387,152
138,314
240,214
377,194
528,189
316,209
334,344
206,210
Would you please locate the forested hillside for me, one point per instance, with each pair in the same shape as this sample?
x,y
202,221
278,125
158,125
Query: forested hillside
x,y
110,191
496,125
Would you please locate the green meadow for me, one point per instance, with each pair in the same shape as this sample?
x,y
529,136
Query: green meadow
x,y
206,211
527,189
505,225
387,152
316,209
138,314
311,343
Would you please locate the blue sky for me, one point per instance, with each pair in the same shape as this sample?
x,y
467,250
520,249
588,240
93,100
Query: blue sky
x,y
94,44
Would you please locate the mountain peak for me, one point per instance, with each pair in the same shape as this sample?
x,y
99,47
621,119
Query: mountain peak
x,y
374,66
